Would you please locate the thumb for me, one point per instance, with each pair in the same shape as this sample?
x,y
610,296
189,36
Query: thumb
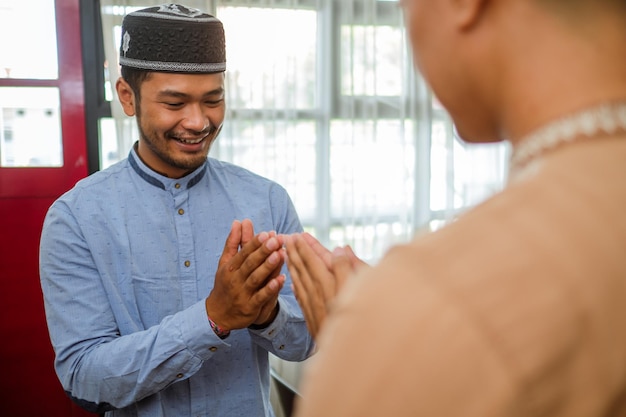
x,y
231,247
341,266
356,261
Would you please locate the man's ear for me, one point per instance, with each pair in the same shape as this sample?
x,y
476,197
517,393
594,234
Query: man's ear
x,y
469,12
126,96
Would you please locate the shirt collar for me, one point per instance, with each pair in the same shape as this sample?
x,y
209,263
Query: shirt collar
x,y
161,181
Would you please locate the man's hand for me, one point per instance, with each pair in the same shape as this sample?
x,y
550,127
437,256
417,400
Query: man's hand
x,y
248,278
318,275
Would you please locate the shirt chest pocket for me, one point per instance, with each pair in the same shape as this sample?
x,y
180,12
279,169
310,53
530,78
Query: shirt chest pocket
x,y
157,293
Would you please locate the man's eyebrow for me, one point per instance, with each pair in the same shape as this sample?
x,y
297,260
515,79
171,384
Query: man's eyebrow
x,y
179,94
172,93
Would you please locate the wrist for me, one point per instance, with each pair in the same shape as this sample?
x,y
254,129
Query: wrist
x,y
219,331
265,324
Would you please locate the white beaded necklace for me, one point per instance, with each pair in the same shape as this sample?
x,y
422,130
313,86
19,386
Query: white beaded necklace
x,y
607,118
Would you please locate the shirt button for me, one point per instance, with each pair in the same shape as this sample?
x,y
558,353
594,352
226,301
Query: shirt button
x,y
181,211
213,348
179,376
177,185
187,263
271,332
281,347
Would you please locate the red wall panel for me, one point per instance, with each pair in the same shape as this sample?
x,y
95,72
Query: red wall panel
x,y
29,387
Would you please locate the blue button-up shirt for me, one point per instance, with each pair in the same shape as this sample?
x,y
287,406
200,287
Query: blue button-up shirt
x,y
127,259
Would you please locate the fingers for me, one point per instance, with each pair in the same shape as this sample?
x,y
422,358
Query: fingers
x,y
262,263
248,278
342,266
267,297
247,231
297,270
313,283
309,267
245,253
355,260
231,246
301,281
264,247
318,248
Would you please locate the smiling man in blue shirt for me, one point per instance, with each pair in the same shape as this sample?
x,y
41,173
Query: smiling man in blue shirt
x,y
160,298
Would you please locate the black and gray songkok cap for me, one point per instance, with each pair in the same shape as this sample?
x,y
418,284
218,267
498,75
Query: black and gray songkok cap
x,y
173,38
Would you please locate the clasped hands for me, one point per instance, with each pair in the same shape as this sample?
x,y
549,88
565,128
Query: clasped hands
x,y
248,279
318,275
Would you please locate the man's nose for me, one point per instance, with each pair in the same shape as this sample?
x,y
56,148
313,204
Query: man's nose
x,y
196,119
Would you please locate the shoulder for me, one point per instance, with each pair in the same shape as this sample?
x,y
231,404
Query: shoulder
x,y
99,186
230,173
234,171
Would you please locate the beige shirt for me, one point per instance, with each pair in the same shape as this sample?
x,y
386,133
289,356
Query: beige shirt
x,y
518,308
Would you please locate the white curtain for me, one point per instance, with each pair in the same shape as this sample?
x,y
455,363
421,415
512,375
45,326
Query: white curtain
x,y
323,98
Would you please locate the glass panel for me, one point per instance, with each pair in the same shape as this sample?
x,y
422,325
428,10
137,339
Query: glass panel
x,y
28,46
372,168
281,150
285,80
109,147
371,60
117,136
370,240
30,127
269,69
479,170
463,174
442,161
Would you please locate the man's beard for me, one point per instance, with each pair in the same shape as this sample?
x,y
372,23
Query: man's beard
x,y
153,142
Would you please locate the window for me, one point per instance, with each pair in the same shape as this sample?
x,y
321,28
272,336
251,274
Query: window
x,y
30,127
323,98
26,53
30,121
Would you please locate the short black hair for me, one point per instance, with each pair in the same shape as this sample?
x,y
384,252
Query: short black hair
x,y
134,77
